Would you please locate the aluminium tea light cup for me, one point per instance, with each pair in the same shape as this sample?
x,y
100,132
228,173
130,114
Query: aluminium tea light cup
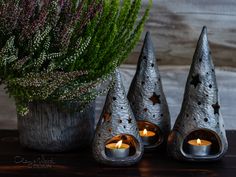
x,y
199,147
117,150
148,137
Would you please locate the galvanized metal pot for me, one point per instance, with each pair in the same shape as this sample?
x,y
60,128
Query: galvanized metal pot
x,y
56,128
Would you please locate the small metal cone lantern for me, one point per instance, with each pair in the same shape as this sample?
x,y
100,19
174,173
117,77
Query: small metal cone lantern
x,y
117,123
200,116
146,96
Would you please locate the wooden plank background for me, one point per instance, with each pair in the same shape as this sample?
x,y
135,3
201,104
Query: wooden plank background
x,y
175,26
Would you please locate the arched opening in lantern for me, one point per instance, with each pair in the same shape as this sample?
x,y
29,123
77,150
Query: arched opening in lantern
x,y
150,133
201,143
122,146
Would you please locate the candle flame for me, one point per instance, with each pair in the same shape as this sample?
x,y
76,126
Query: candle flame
x,y
118,145
199,142
145,131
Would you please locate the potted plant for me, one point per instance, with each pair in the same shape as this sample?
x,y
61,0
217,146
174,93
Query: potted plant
x,y
54,55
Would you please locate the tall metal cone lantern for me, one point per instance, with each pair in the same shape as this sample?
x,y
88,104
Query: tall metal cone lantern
x,y
117,123
200,116
147,98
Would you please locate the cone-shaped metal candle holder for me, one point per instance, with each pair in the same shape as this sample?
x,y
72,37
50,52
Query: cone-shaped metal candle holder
x,y
199,134
147,99
117,123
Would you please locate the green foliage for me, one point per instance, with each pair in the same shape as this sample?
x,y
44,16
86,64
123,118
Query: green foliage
x,y
62,50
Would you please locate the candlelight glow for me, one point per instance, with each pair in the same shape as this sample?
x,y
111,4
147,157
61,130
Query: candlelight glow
x,y
199,142
145,131
118,145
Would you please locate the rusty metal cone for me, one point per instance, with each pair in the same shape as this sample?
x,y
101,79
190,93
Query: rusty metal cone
x,y
117,119
200,113
146,94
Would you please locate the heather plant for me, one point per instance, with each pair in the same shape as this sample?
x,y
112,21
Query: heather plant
x,y
63,50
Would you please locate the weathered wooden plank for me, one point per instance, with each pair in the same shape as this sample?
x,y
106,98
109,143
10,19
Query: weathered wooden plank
x,y
176,25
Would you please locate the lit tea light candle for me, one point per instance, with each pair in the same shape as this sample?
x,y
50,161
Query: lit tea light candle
x,y
148,137
199,147
117,150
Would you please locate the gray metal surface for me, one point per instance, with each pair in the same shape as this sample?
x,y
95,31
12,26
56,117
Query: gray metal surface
x,y
47,127
200,108
117,119
146,95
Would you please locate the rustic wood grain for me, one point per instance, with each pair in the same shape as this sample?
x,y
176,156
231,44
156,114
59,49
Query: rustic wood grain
x,y
176,25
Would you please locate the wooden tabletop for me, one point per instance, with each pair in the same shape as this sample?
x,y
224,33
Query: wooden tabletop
x,y
16,161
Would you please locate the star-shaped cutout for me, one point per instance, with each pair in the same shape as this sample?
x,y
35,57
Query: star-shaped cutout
x,y
216,108
196,80
107,116
155,98
129,120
